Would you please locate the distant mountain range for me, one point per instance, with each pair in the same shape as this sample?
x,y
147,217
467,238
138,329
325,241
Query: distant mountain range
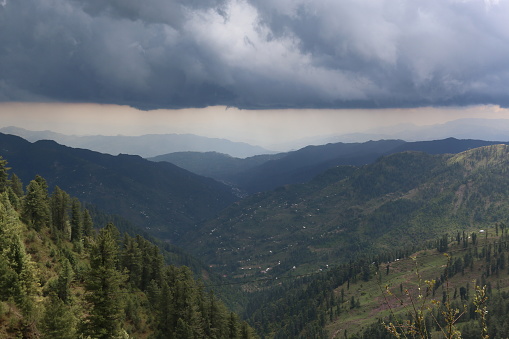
x,y
149,145
170,200
267,172
162,198
468,128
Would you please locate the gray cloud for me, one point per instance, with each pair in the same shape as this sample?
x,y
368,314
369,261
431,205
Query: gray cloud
x,y
255,53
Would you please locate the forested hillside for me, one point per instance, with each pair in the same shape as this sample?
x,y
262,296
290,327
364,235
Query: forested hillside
x,y
311,260
60,277
400,201
456,286
160,198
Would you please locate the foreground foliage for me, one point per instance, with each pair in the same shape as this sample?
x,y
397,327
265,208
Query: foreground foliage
x,y
59,278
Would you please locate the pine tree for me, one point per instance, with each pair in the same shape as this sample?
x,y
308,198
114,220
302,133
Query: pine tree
x,y
9,282
165,310
132,260
183,330
217,317
60,202
88,225
245,331
58,321
233,330
17,264
17,185
43,184
36,212
9,259
153,262
14,199
185,300
3,174
63,285
76,221
103,284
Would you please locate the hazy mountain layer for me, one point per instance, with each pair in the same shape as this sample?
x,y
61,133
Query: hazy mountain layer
x,y
468,128
149,145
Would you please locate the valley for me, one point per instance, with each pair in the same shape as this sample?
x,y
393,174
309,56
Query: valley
x,y
402,200
253,169
341,222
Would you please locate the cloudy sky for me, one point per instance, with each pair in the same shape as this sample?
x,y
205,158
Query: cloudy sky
x,y
255,54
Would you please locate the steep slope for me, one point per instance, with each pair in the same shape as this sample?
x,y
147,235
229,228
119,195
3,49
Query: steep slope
x,y
73,282
161,197
401,200
351,300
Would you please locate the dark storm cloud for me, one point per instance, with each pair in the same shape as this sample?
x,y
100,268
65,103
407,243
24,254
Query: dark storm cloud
x,y
256,53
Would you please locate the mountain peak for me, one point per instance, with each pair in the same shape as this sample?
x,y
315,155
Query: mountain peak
x,y
482,157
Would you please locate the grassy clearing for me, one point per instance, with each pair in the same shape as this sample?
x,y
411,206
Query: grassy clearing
x,y
408,274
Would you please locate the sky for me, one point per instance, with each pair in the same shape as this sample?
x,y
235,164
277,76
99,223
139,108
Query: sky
x,y
276,129
311,64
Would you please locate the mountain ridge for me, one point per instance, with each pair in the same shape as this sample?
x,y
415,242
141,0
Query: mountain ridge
x,y
268,172
464,128
148,145
159,197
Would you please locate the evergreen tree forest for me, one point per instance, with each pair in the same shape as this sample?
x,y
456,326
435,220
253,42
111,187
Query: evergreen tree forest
x,y
67,270
61,276
360,298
